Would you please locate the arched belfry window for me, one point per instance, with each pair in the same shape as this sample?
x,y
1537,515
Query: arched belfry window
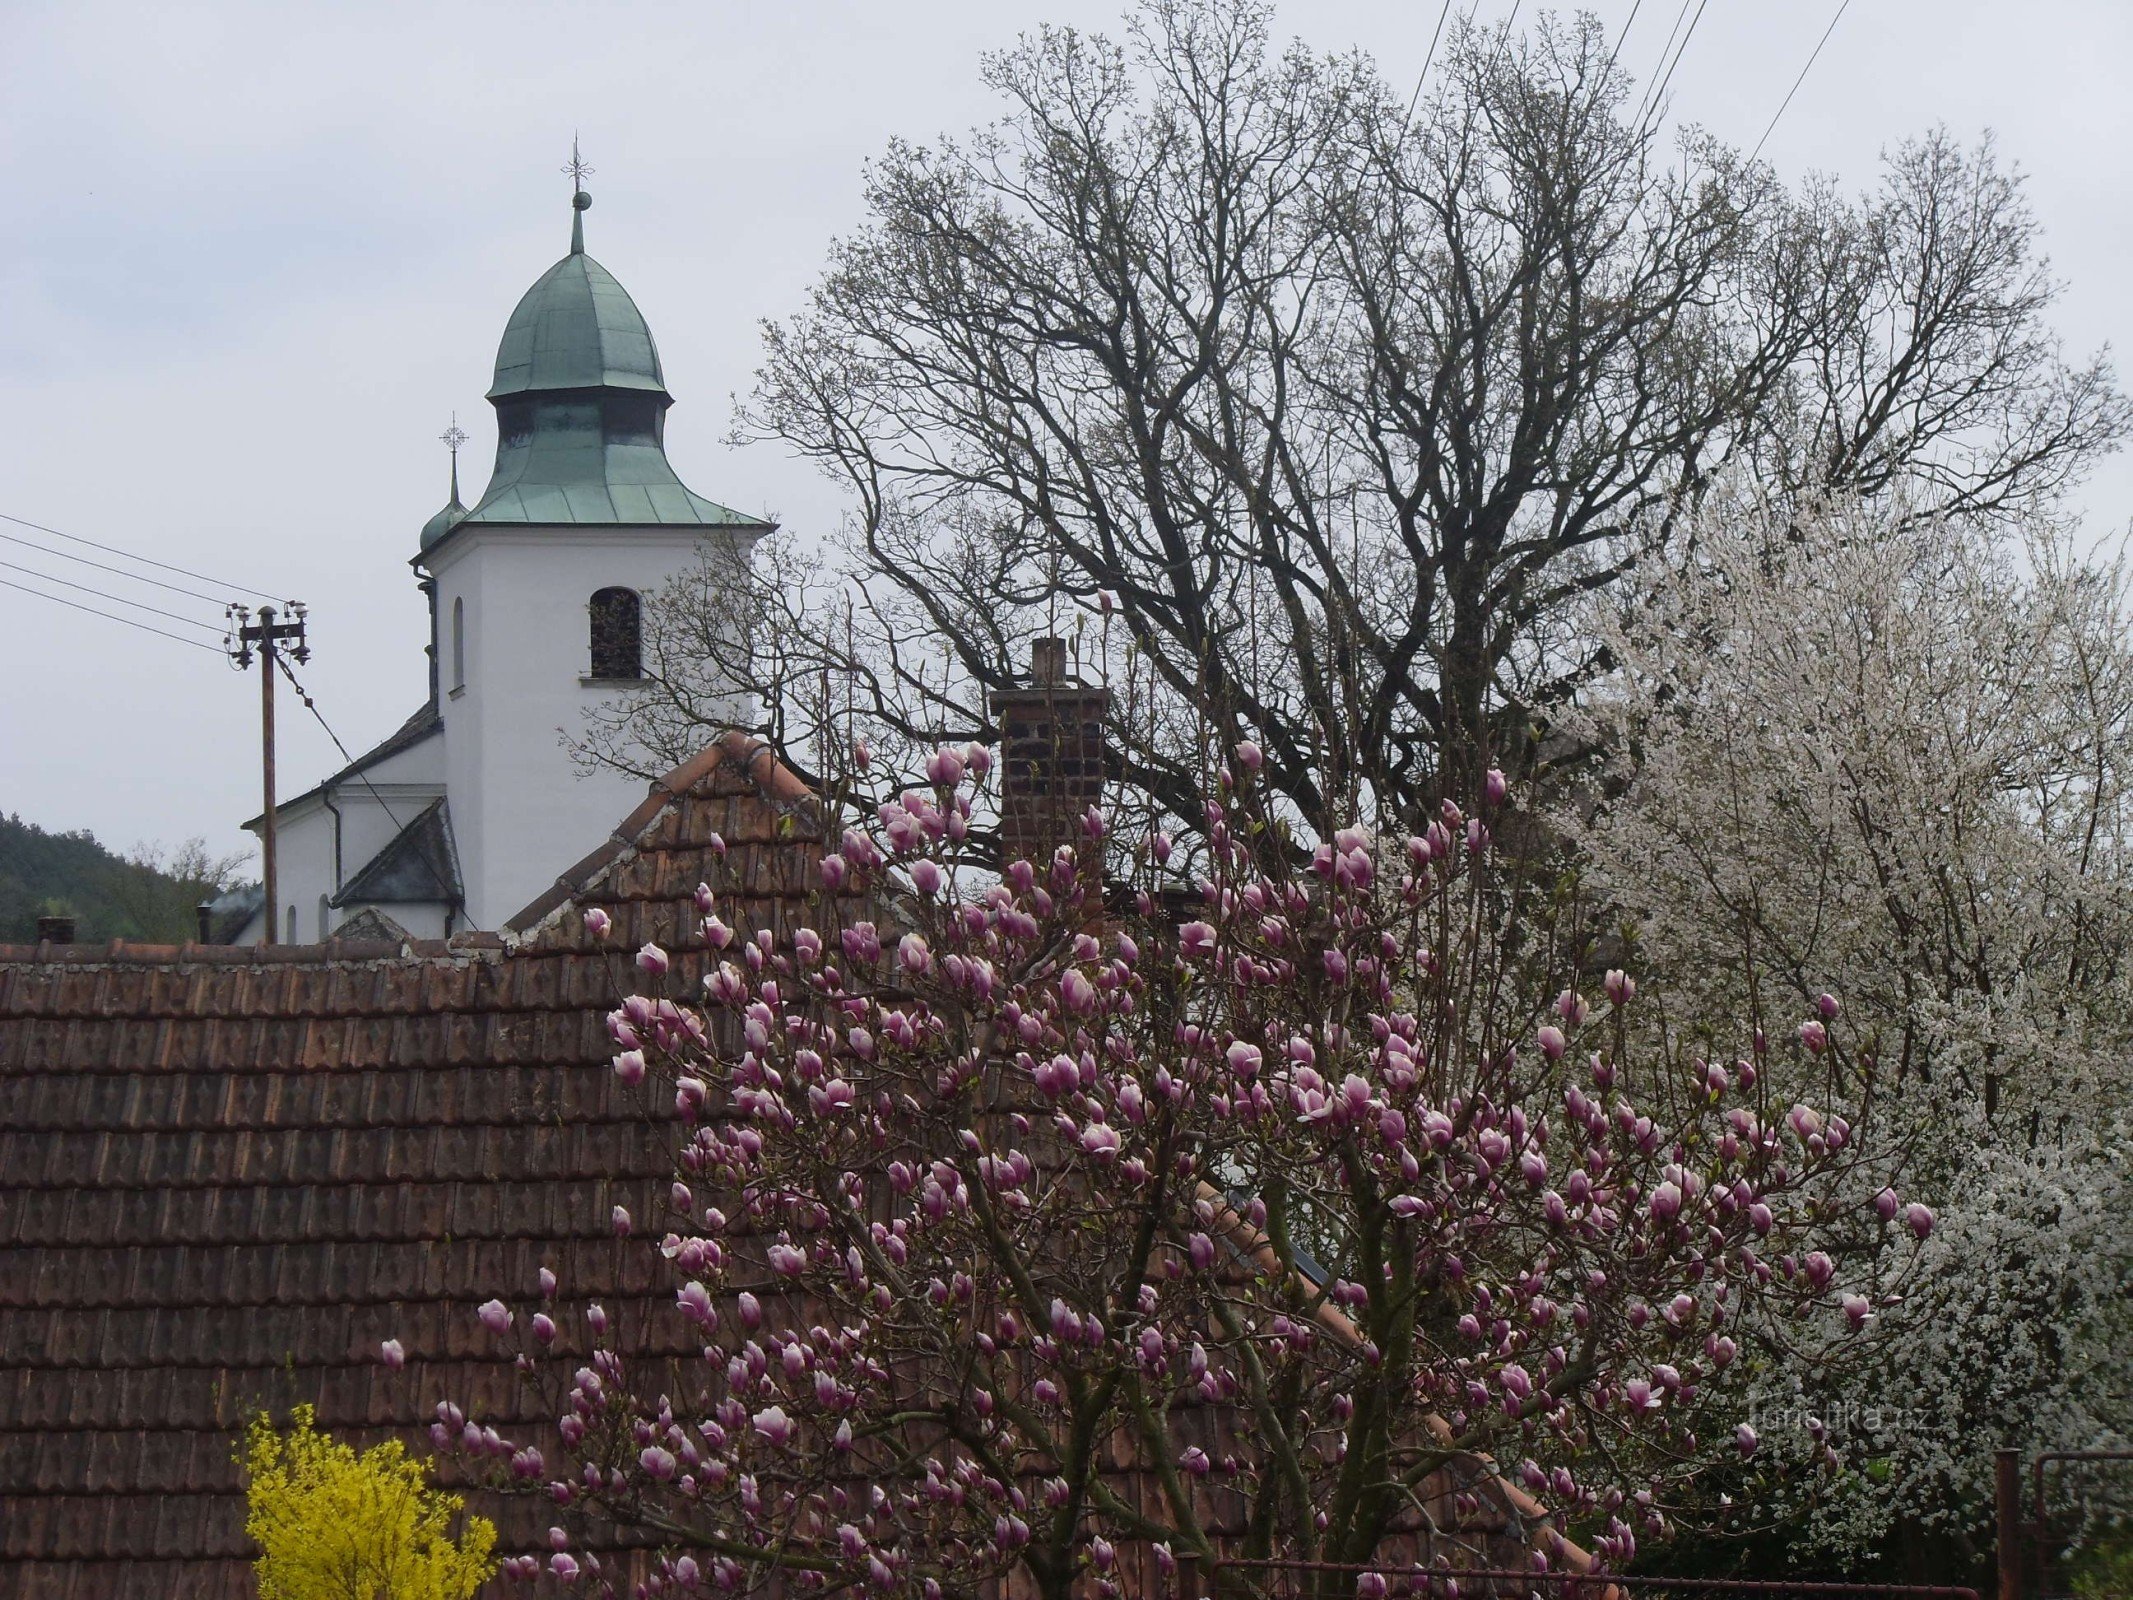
x,y
459,642
617,634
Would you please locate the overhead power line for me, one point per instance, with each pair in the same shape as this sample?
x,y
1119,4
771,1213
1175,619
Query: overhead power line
x,y
1637,117
311,706
1428,60
115,599
112,549
1802,78
104,566
1623,37
108,615
1659,94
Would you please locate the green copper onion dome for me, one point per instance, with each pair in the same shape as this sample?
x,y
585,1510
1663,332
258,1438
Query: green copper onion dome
x,y
577,328
449,518
443,523
581,412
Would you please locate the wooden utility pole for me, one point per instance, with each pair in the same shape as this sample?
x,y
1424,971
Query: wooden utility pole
x,y
267,634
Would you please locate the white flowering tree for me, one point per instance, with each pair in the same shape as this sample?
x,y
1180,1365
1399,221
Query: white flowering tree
x,y
1020,1241
1890,755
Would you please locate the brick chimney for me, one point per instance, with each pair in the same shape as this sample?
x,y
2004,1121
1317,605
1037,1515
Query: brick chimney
x,y
1052,756
55,930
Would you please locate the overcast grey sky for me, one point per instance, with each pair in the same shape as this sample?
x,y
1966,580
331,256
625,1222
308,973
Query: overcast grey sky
x,y
258,255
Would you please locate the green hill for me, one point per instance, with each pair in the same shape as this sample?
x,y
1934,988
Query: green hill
x,y
110,896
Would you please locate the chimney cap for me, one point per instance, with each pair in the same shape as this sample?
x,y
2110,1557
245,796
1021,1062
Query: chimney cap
x,y
1047,676
55,930
1047,660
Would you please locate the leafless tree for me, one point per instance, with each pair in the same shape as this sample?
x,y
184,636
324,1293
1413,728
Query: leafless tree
x,y
1310,415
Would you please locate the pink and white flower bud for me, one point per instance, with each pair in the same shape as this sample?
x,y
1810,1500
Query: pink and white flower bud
x,y
944,768
654,961
392,1354
495,1316
598,923
774,1425
914,954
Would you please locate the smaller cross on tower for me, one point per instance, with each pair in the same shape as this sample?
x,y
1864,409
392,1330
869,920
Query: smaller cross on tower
x,y
452,438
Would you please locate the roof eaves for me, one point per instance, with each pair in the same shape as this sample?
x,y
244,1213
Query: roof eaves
x,y
426,721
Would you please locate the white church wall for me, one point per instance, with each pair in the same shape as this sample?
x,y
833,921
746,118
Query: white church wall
x,y
310,870
522,811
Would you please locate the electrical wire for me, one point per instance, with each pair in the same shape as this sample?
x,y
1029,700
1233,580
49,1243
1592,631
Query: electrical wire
x,y
311,706
112,549
131,577
115,599
1428,60
1623,37
1842,6
110,616
1659,98
1681,16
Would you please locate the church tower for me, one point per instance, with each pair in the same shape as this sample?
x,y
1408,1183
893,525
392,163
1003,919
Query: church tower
x,y
538,588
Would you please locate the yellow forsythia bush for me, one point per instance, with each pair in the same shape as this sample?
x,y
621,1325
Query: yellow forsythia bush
x,y
334,1525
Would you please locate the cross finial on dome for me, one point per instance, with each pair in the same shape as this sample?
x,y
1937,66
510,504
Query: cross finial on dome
x,y
452,438
577,171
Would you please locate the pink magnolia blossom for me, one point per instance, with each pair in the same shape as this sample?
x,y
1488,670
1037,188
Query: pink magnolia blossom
x,y
1028,1104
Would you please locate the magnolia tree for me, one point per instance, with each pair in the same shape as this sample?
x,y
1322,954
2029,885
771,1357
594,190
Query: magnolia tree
x,y
1329,1218
1894,752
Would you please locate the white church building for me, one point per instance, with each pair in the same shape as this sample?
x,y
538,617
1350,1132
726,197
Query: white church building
x,y
536,595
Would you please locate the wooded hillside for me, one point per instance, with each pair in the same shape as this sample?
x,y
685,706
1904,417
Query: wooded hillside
x,y
145,895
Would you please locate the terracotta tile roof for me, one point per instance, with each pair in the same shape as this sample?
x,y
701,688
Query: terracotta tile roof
x,y
227,1174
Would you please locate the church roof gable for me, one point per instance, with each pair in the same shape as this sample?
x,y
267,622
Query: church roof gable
x,y
418,866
